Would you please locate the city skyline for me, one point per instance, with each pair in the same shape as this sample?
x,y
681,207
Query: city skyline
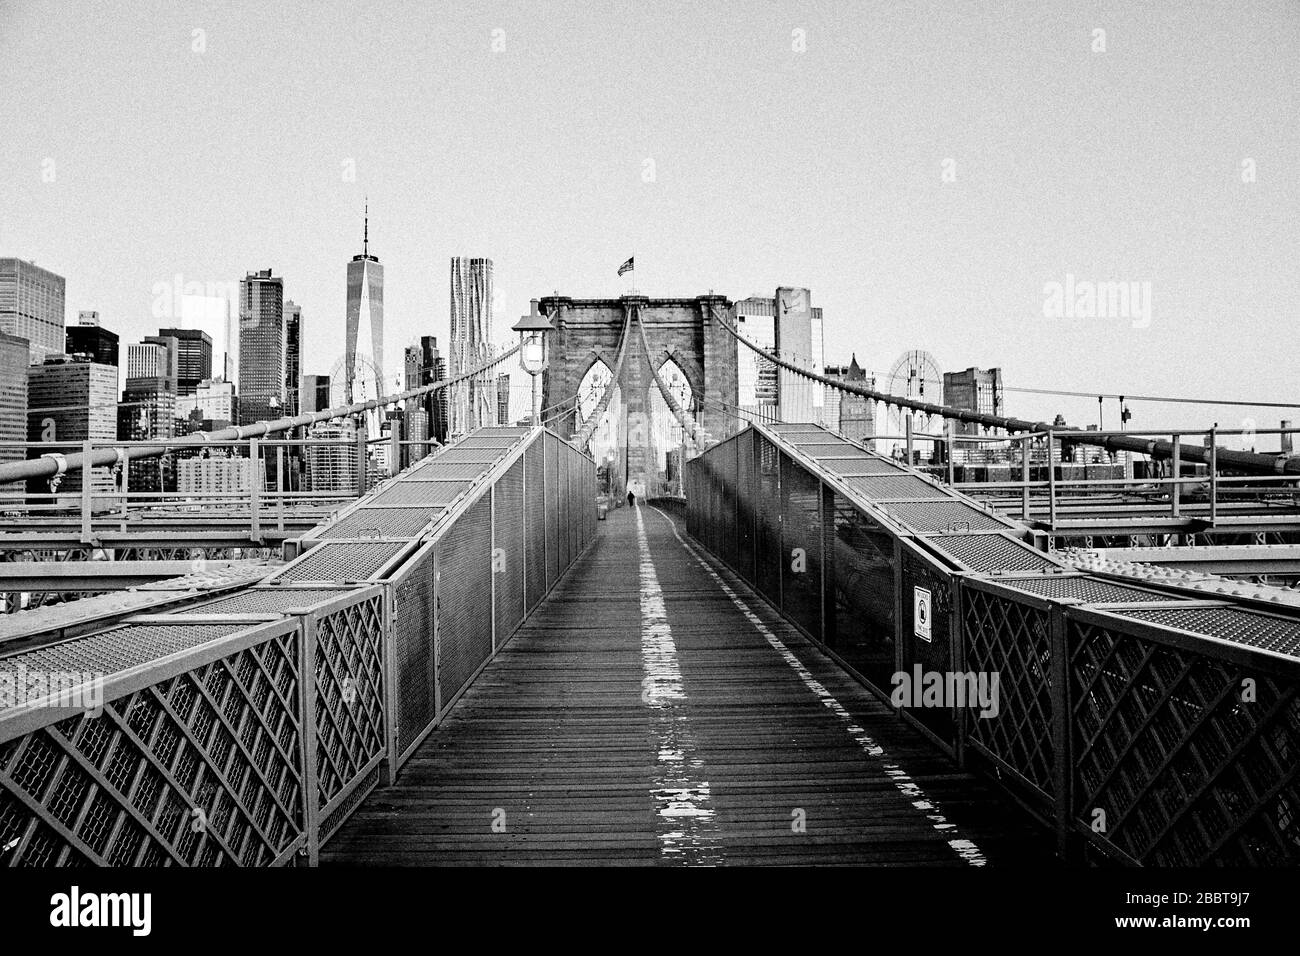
x,y
1076,179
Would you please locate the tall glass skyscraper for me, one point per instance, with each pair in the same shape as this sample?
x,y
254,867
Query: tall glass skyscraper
x,y
263,341
31,307
471,403
292,357
364,347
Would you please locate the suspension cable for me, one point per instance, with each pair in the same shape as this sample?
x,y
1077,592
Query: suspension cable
x,y
1252,462
583,435
691,427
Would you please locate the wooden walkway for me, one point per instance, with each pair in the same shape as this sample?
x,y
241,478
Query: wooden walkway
x,y
645,716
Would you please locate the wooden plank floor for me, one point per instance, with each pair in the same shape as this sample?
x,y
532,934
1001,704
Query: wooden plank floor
x,y
641,717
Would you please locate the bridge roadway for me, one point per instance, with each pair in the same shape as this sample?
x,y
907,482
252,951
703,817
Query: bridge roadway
x,y
655,710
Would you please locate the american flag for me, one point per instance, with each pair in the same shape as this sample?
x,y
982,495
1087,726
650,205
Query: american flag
x,y
626,267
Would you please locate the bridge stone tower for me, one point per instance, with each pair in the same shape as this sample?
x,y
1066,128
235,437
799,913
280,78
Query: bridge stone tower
x,y
688,331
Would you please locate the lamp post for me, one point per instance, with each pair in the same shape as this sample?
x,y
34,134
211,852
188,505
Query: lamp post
x,y
533,353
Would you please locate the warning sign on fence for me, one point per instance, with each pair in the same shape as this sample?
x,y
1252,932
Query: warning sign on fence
x,y
921,612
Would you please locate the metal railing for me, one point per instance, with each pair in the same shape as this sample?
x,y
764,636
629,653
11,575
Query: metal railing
x,y
1140,725
215,747
1049,488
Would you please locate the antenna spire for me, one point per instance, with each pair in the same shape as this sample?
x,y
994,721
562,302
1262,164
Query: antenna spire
x,y
365,242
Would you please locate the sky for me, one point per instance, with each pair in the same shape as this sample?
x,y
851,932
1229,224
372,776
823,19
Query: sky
x,y
928,170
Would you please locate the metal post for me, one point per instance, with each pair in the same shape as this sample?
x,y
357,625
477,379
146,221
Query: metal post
x,y
1175,495
257,476
1214,473
1062,770
279,483
126,481
85,494
394,447
952,447
361,458
1024,476
1051,481
908,426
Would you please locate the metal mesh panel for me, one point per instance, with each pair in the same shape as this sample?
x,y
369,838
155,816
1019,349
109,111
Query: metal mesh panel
x,y
552,480
767,532
745,505
349,693
1186,771
204,769
412,647
829,451
897,485
801,554
1011,639
945,514
934,654
992,552
339,814
382,523
1277,634
117,649
413,492
794,432
488,441
536,518
1091,590
342,561
460,455
508,554
447,470
866,465
464,615
860,577
563,497
725,463
271,600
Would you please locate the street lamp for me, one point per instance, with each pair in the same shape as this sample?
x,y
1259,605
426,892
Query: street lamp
x,y
533,355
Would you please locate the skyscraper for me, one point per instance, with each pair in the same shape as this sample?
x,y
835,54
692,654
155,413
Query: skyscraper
x,y
31,307
262,346
974,390
503,399
333,467
171,369
211,408
13,401
364,373
150,359
292,357
193,358
472,403
424,366
70,401
89,338
147,412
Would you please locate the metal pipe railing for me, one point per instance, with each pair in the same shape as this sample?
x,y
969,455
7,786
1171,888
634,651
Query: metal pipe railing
x,y
49,466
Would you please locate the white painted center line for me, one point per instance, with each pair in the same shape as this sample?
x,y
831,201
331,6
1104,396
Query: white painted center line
x,y
966,849
683,805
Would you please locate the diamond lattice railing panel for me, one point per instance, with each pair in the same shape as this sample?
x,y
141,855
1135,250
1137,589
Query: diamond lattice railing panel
x,y
349,693
1011,640
1190,760
203,769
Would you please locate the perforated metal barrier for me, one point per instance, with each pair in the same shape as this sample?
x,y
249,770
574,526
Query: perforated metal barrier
x,y
1142,726
213,748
